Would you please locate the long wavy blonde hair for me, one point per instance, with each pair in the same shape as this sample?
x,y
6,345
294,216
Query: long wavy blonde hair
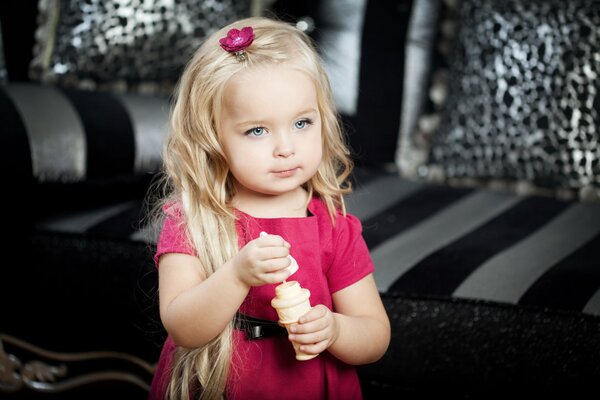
x,y
196,172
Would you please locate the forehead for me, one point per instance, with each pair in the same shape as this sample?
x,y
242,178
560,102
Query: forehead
x,y
274,87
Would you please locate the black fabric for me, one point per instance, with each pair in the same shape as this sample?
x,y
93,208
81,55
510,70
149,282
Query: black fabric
x,y
109,133
103,289
291,10
444,270
121,225
408,212
377,120
17,171
570,283
17,155
362,176
457,348
69,198
18,20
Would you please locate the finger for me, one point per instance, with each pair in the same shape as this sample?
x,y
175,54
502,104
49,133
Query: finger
x,y
315,348
275,277
267,253
317,325
274,265
309,338
316,312
266,240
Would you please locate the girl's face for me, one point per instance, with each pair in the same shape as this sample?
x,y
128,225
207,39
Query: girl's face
x,y
270,129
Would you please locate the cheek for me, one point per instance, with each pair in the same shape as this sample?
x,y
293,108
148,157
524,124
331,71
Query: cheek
x,y
318,147
244,159
314,154
239,163
236,153
318,153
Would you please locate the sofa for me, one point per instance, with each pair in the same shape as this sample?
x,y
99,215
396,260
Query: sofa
x,y
473,126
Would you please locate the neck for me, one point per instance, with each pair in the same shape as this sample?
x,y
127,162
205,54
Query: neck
x,y
290,204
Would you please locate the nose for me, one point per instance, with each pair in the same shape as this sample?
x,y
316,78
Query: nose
x,y
284,146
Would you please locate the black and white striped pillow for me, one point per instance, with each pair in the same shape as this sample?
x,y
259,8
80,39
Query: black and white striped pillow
x,y
73,135
438,241
78,150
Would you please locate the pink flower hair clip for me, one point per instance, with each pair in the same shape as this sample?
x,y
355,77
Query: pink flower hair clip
x,y
237,40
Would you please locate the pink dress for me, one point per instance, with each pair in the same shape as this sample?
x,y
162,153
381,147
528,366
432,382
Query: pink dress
x,y
330,259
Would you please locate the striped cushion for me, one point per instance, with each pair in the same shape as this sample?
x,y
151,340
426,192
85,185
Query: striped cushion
x,y
73,136
441,241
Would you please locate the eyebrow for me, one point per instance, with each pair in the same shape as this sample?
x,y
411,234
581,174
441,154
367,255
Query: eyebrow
x,y
307,111
259,122
249,123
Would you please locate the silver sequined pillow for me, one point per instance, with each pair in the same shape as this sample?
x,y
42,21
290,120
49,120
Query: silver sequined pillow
x,y
522,97
124,44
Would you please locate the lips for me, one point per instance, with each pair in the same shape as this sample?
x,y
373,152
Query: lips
x,y
284,173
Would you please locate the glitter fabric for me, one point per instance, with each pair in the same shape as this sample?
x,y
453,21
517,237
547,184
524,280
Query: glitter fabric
x,y
475,349
514,97
124,43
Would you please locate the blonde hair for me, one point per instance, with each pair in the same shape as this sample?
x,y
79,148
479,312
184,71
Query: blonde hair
x,y
197,175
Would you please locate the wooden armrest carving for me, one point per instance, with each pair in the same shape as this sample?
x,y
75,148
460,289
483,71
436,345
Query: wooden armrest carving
x,y
55,374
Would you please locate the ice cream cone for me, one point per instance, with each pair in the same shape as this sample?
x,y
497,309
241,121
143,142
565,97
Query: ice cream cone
x,y
291,301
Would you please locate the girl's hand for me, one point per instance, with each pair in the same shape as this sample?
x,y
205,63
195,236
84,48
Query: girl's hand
x,y
263,260
316,330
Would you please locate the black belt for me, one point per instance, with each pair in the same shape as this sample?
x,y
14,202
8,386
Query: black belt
x,y
256,328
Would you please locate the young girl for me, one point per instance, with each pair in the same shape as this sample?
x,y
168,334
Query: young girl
x,y
256,167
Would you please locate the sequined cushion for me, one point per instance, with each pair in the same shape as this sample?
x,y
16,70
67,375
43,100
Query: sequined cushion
x,y
124,44
522,101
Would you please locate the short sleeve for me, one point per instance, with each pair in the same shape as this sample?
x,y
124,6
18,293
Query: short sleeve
x,y
172,238
351,259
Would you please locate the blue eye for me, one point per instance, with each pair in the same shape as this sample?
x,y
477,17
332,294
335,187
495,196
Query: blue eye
x,y
303,123
257,132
